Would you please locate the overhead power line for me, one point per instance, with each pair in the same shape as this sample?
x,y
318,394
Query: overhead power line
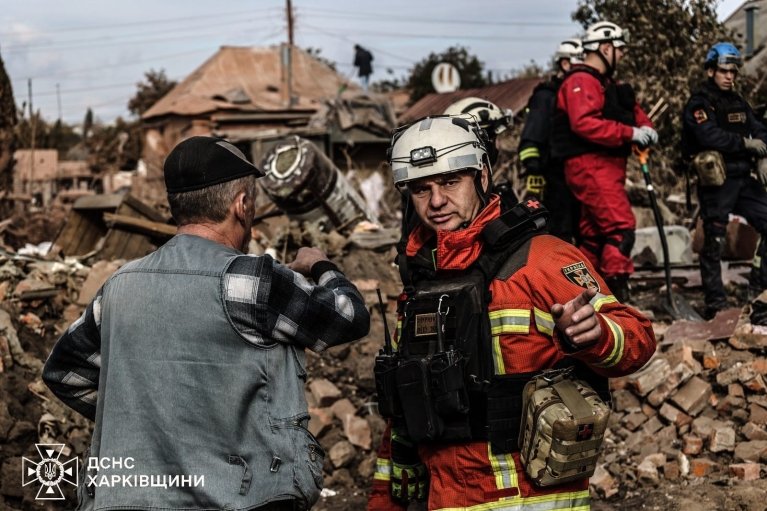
x,y
142,23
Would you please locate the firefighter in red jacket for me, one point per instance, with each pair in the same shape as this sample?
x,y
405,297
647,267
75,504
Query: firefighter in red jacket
x,y
543,305
596,122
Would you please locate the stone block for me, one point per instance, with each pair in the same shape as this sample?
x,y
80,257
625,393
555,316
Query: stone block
x,y
647,471
342,453
722,439
757,414
693,396
633,420
753,450
325,392
603,482
674,415
753,431
624,400
649,377
320,420
358,432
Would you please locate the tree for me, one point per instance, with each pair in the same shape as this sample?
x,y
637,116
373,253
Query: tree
x,y
669,42
155,86
469,67
7,136
87,122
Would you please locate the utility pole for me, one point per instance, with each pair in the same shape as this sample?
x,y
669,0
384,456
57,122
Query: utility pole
x,y
289,73
32,125
58,99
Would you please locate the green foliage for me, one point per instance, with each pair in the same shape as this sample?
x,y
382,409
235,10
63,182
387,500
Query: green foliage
x,y
669,41
469,67
154,87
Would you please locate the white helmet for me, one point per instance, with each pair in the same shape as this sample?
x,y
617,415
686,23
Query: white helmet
x,y
570,49
436,145
604,32
489,115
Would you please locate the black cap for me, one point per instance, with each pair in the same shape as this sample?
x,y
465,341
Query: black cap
x,y
199,162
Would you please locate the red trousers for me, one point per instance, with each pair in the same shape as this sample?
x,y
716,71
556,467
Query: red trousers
x,y
597,181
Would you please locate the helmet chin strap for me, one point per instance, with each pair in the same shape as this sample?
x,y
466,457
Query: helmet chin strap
x,y
610,67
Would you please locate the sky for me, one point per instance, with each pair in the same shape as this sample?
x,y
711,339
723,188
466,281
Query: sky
x,y
89,53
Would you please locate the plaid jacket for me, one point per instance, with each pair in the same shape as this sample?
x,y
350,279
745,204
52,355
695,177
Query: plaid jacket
x,y
265,303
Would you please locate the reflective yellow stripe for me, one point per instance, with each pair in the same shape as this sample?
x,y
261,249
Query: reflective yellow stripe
x,y
617,353
565,501
510,321
529,152
504,469
544,322
599,300
394,342
757,262
383,470
498,366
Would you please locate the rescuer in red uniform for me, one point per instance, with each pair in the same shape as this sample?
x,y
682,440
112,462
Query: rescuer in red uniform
x,y
543,304
596,122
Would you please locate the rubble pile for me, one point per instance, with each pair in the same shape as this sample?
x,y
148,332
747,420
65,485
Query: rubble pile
x,y
696,412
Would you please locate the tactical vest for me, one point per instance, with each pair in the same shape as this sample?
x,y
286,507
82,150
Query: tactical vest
x,y
620,101
440,385
731,112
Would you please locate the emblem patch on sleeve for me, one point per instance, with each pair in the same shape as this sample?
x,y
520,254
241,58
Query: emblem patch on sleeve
x,y
579,275
700,115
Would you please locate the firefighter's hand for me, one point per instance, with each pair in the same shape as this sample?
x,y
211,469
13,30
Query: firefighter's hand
x,y
531,166
761,171
409,477
409,482
756,146
578,320
305,259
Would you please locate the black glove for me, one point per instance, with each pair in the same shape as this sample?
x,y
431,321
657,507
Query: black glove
x,y
756,146
531,166
409,477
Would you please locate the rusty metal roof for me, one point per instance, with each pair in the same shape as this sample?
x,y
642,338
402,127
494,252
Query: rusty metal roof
x,y
512,94
250,79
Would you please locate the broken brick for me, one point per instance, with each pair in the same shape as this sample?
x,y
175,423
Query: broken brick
x,y
324,392
652,375
691,444
754,432
701,467
722,439
671,471
745,471
693,396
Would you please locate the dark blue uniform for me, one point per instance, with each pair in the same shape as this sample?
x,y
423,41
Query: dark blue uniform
x,y
535,156
719,120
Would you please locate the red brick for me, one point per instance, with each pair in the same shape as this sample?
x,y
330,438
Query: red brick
x,y
745,471
671,471
691,444
701,467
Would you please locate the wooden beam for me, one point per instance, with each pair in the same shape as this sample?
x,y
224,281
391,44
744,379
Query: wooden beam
x,y
148,227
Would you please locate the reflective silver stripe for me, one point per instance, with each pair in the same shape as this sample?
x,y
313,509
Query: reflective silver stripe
x,y
383,470
504,469
570,501
599,300
399,174
616,354
461,162
425,124
544,322
510,321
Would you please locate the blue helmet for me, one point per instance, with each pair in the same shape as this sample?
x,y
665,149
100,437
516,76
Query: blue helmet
x,y
723,53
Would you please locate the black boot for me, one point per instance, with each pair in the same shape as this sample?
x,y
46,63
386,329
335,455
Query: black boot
x,y
711,270
619,286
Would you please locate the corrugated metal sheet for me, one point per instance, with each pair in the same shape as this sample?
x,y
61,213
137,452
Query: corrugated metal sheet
x,y
250,80
512,94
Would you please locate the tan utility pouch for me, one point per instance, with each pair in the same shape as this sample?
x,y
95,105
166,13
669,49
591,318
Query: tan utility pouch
x,y
563,426
709,165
